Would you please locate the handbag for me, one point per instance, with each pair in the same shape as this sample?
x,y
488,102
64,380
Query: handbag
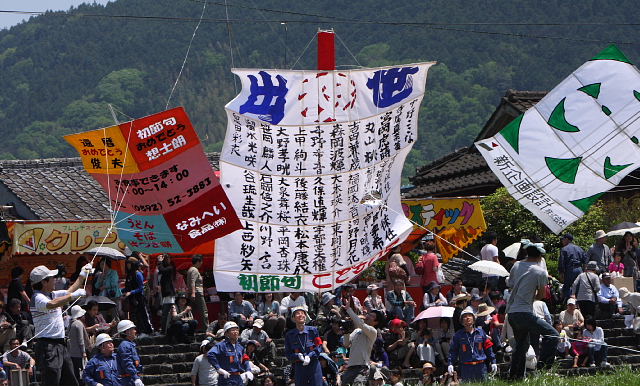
x,y
440,275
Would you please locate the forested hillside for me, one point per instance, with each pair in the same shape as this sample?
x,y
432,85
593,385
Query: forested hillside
x,y
61,69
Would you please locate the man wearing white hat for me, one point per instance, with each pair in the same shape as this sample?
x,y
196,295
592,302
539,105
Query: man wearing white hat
x,y
202,371
128,358
79,344
46,306
266,350
471,349
102,369
600,252
229,360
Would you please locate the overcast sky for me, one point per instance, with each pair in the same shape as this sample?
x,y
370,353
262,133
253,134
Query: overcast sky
x,y
9,19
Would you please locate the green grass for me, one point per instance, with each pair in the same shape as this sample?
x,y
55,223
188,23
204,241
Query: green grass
x,y
622,376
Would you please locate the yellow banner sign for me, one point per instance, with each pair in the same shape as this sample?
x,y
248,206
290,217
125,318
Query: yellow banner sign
x,y
459,221
63,237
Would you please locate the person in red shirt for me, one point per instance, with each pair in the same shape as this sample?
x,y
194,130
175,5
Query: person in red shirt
x,y
428,265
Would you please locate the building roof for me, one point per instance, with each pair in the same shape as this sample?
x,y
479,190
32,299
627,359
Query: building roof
x,y
56,189
465,172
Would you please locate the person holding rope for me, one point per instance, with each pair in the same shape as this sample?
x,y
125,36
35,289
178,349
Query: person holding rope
x,y
527,281
46,306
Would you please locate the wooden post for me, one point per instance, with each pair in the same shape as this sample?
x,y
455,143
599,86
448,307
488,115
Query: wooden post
x,y
326,50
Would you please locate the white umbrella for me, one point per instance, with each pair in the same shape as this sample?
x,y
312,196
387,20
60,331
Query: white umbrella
x,y
489,267
107,252
512,250
624,228
435,312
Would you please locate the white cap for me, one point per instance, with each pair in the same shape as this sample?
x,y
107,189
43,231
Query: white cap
x,y
124,325
77,312
571,301
229,325
258,323
40,273
101,338
204,343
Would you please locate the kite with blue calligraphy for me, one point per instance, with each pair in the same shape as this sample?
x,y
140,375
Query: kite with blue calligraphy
x,y
162,188
312,163
578,142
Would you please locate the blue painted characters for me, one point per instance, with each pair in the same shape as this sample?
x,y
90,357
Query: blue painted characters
x,y
391,86
271,98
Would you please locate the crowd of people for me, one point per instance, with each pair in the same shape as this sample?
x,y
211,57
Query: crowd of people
x,y
329,339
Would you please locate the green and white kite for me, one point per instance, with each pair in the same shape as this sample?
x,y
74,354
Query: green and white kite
x,y
574,145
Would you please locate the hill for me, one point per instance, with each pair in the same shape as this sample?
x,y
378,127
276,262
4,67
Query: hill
x,y
61,69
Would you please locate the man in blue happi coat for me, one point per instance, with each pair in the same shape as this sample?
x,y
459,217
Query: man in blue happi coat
x,y
572,259
471,349
229,359
303,346
128,358
102,369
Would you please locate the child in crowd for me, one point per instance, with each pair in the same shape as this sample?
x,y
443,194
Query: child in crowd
x,y
425,350
396,377
564,346
580,348
616,265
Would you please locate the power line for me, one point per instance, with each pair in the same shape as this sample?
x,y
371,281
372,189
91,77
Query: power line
x,y
427,25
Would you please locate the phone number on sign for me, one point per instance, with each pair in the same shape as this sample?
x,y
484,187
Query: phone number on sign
x,y
157,206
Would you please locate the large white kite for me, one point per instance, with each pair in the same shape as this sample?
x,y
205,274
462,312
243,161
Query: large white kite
x,y
574,145
312,163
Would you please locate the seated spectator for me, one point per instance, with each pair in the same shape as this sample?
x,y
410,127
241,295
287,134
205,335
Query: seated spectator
x,y
609,302
374,301
332,337
396,377
483,316
564,346
442,338
399,345
16,290
401,303
597,345
202,373
20,320
428,375
290,302
346,295
328,311
257,366
265,348
379,356
425,350
79,345
94,321
17,359
433,296
269,380
3,376
631,298
182,325
580,348
571,317
475,301
7,330
241,311
456,289
460,302
216,325
269,311
396,272
496,299
329,370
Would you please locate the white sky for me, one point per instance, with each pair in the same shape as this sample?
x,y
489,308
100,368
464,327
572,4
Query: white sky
x,y
7,19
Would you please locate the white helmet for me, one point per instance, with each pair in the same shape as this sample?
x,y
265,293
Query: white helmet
x,y
124,325
101,338
229,325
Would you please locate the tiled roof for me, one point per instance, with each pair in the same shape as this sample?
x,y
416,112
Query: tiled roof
x,y
465,172
59,188
462,173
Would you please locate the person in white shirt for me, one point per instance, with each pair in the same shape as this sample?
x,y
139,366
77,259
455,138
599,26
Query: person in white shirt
x,y
360,342
289,302
46,306
202,373
490,253
597,345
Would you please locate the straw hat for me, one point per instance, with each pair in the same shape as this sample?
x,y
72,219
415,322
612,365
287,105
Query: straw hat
x,y
460,297
484,309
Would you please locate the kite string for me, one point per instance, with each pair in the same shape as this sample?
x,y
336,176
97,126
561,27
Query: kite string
x,y
184,62
304,50
226,11
347,48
